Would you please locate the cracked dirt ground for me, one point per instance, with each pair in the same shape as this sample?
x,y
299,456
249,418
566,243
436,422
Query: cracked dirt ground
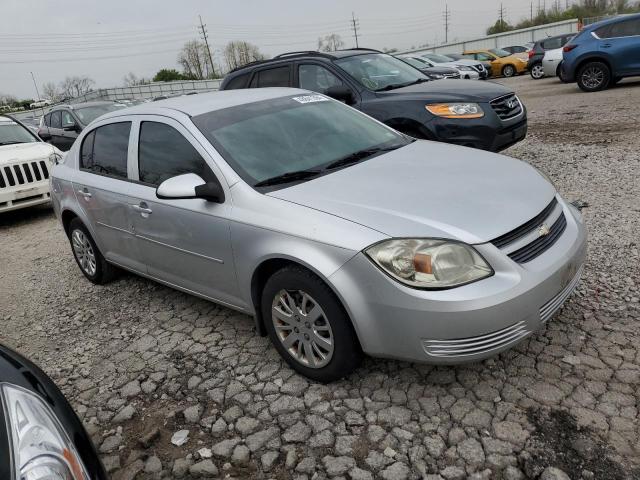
x,y
140,362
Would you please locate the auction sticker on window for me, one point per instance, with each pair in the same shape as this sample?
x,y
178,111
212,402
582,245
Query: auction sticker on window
x,y
311,99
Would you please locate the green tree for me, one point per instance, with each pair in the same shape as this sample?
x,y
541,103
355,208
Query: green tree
x,y
499,27
168,75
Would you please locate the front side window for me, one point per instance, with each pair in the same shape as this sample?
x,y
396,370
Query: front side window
x,y
55,120
104,150
317,78
12,133
164,153
47,119
265,139
378,72
67,119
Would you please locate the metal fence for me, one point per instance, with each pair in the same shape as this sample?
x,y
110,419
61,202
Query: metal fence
x,y
515,37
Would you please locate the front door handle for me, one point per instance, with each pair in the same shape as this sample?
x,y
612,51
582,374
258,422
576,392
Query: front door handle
x,y
85,193
143,208
606,45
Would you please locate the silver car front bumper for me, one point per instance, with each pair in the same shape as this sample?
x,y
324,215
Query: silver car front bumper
x,y
467,323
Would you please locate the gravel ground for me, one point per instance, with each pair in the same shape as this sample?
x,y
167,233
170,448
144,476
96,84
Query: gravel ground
x,y
141,362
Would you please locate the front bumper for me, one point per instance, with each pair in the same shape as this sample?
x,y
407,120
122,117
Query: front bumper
x,y
467,323
24,196
469,75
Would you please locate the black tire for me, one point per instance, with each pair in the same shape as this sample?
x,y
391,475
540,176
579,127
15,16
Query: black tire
x,y
536,71
593,76
346,355
508,71
104,271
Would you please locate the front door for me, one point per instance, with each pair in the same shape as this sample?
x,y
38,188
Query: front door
x,y
186,243
68,133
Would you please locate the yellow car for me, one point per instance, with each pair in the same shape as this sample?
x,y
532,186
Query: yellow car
x,y
502,62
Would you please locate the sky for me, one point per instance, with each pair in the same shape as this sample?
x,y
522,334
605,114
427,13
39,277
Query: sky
x,y
105,40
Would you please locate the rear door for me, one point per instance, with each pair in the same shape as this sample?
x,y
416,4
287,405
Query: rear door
x,y
621,43
186,243
102,188
68,133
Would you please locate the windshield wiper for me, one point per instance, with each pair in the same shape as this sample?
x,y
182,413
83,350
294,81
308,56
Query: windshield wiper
x,y
9,143
288,177
393,86
359,156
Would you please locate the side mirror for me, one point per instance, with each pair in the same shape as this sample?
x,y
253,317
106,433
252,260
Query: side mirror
x,y
190,185
72,128
340,92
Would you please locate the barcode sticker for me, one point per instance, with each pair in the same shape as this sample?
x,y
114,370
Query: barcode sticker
x,y
311,99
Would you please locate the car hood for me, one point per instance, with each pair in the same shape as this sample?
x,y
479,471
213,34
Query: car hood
x,y
463,61
441,70
430,189
22,152
453,90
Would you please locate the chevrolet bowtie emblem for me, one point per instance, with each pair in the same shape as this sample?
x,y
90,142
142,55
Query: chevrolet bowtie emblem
x,y
543,230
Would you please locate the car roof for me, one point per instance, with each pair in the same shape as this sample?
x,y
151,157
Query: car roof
x,y
77,106
194,105
609,21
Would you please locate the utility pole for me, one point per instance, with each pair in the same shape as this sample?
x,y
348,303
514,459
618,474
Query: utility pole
x,y
446,16
531,11
355,24
501,16
37,92
206,42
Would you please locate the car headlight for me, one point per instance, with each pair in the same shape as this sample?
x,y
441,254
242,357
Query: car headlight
x,y
456,110
436,76
41,448
429,263
464,68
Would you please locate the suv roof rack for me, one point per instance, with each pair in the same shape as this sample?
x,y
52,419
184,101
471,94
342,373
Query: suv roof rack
x,y
303,52
360,48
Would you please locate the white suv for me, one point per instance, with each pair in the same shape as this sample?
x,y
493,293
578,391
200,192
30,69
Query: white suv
x,y
25,162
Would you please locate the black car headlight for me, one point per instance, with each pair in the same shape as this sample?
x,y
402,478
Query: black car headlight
x,y
39,446
429,263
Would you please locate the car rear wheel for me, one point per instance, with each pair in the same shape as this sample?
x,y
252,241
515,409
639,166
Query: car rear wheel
x,y
593,76
91,262
508,70
536,71
308,325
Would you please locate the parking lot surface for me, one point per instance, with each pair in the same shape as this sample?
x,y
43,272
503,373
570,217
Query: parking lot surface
x,y
140,361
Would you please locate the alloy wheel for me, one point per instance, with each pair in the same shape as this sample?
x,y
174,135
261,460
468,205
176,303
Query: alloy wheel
x,y
508,71
303,328
84,252
537,71
592,77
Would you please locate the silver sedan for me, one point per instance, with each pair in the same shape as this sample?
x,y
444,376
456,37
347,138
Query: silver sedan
x,y
338,234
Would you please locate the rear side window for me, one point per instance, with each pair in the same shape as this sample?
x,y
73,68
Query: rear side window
x,y
104,150
164,153
237,82
55,120
628,28
274,77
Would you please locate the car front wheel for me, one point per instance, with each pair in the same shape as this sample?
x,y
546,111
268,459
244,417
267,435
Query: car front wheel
x,y
308,325
508,71
594,76
91,262
536,72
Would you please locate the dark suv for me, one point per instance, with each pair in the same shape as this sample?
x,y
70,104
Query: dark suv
x,y
484,115
63,123
536,54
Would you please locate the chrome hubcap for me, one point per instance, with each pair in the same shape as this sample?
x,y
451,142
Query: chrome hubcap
x,y
537,71
508,71
84,252
592,77
302,327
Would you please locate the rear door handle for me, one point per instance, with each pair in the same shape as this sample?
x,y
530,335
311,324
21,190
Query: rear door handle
x,y
85,193
142,207
606,45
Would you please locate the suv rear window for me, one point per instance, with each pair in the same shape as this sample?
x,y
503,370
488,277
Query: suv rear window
x,y
104,150
552,43
273,77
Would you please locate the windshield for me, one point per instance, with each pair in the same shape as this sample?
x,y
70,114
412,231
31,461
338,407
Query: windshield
x,y
262,140
498,52
89,114
11,133
434,57
415,62
378,71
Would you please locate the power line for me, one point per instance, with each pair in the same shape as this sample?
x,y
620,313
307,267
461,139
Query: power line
x,y
356,26
206,42
446,17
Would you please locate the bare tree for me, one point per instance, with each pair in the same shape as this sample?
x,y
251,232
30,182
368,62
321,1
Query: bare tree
x,y
6,99
240,53
75,86
194,60
131,80
330,43
50,91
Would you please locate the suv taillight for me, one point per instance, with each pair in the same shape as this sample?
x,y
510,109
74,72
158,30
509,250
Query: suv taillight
x,y
568,48
531,53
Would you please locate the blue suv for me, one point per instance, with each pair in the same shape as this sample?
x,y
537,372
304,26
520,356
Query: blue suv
x,y
603,53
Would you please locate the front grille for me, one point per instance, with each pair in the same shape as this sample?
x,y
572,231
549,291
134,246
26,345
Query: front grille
x,y
510,237
479,67
451,75
507,106
23,173
553,305
541,244
476,345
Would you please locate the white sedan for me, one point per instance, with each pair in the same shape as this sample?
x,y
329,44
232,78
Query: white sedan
x,y
551,62
25,162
